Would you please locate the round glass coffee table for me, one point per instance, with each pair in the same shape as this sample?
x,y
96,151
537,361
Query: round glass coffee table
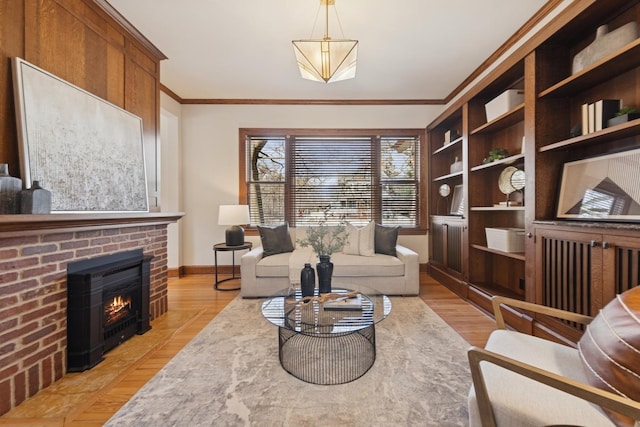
x,y
330,342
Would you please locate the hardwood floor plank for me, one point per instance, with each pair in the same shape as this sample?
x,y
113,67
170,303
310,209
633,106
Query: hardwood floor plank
x,y
90,398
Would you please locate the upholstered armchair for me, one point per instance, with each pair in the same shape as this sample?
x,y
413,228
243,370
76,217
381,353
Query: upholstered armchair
x,y
522,380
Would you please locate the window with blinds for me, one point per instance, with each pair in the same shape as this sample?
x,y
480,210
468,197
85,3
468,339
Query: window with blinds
x,y
302,178
332,175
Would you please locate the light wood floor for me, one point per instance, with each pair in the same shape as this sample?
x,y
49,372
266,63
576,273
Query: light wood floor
x,y
90,398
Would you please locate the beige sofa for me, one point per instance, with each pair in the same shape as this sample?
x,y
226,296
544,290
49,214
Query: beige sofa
x,y
392,275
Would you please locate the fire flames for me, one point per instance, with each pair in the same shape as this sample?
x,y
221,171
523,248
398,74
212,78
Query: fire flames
x,y
117,309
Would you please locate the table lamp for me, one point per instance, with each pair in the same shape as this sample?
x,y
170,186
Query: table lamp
x,y
233,215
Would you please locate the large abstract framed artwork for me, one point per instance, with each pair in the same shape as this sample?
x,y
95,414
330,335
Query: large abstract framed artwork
x,y
88,152
601,188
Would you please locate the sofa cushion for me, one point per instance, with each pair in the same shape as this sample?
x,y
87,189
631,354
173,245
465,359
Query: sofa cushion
x,y
275,240
610,349
345,265
274,266
360,240
386,239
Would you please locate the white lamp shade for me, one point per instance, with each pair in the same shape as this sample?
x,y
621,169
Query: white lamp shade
x,y
233,215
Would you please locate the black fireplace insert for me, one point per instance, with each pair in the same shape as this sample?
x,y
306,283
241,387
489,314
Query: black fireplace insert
x,y
107,303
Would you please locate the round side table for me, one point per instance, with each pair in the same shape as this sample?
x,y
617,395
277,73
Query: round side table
x,y
223,247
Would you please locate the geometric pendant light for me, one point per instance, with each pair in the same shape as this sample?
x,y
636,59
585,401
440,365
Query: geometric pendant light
x,y
326,60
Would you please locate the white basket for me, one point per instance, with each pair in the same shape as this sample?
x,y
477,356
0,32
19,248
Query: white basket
x,y
505,239
506,101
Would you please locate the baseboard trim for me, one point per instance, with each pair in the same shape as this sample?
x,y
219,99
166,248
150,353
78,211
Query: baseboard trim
x,y
176,273
208,269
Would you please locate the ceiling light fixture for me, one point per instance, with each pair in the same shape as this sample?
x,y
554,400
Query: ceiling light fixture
x,y
328,60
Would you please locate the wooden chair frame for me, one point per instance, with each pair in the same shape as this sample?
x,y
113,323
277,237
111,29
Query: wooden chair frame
x,y
605,399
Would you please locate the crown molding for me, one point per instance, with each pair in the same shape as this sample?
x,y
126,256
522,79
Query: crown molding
x,y
128,26
316,101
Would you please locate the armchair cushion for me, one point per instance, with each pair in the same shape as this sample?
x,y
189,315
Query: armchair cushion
x,y
523,402
610,349
275,240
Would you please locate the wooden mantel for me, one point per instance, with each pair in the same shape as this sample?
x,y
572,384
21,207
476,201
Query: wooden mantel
x,y
12,225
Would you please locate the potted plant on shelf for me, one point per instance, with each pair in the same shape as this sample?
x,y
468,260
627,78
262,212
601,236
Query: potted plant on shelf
x,y
625,114
495,154
325,239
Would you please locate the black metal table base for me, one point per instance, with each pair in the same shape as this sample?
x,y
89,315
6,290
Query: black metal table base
x,y
222,247
327,358
218,288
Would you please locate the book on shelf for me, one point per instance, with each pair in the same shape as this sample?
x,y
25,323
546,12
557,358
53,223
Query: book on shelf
x,y
592,118
595,115
605,109
344,303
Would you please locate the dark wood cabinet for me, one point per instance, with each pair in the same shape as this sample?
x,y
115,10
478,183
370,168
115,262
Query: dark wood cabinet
x,y
447,254
581,269
448,193
575,265
492,269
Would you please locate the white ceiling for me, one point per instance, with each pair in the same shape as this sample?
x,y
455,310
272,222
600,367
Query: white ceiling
x,y
241,49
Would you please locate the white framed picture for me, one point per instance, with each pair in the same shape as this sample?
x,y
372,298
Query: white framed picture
x,y
601,188
457,201
88,152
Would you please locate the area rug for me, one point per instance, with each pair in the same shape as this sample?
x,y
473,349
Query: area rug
x,y
230,375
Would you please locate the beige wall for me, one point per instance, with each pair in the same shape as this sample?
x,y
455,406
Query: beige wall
x,y
210,161
170,171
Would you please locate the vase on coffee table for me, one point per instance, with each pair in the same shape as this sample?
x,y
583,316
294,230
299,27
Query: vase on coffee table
x,y
325,270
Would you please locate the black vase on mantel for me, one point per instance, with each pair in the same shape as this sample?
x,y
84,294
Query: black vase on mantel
x,y
325,270
10,188
307,280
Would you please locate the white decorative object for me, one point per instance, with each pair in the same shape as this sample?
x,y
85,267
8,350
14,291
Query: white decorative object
x,y
506,101
456,166
505,239
605,43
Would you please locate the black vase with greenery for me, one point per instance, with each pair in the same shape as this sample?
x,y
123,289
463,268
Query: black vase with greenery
x,y
325,270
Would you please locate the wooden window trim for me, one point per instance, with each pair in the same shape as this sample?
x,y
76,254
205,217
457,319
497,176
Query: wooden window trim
x,y
422,196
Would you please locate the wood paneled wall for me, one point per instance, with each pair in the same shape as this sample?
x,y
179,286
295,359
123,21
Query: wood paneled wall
x,y
86,43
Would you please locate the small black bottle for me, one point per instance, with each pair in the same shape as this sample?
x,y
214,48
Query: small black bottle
x,y
307,280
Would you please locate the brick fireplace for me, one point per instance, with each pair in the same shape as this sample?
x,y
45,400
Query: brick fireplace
x,y
34,253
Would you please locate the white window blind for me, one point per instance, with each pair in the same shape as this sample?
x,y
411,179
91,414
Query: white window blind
x,y
356,178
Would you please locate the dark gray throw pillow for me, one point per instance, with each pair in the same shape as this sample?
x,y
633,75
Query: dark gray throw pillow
x,y
275,240
385,239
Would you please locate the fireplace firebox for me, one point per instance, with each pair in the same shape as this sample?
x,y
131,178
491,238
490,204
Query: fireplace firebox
x,y
107,303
